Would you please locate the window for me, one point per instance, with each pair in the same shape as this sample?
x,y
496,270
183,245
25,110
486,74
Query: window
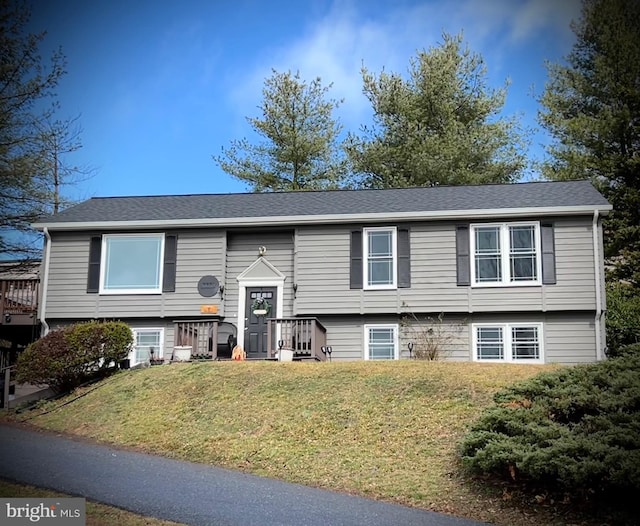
x,y
508,342
381,342
490,343
146,341
505,254
380,258
131,264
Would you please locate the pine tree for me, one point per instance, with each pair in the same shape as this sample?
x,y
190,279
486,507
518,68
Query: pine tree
x,y
441,125
300,149
591,107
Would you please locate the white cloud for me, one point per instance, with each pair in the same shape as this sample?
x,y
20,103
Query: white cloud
x,y
538,15
350,35
336,48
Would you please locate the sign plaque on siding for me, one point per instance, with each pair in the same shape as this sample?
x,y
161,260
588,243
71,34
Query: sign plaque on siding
x,y
208,309
208,286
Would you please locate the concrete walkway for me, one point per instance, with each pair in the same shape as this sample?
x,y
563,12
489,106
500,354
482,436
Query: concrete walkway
x,y
186,492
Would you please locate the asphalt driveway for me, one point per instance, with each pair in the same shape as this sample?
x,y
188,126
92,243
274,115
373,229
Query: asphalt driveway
x,y
187,492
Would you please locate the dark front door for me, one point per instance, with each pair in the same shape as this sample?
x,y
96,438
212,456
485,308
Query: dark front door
x,y
255,340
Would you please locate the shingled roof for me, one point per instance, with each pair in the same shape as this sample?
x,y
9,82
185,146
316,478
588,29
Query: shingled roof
x,y
439,201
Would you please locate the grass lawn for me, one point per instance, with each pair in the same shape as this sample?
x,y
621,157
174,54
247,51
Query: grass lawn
x,y
385,430
97,514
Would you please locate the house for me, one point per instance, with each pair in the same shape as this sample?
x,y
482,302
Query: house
x,y
515,271
19,291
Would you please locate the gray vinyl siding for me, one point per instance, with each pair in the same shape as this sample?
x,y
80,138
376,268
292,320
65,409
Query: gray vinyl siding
x,y
322,272
346,335
433,271
317,260
575,271
242,251
568,338
575,267
199,252
322,275
66,294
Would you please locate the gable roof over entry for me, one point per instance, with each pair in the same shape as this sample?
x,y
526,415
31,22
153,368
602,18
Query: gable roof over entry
x,y
261,269
441,202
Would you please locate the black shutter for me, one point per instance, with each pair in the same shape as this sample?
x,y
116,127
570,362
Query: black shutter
x,y
463,261
169,274
356,260
548,254
404,258
93,276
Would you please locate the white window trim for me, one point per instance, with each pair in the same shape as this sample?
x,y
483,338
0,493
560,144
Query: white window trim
x,y
365,257
103,265
504,255
134,331
396,343
508,348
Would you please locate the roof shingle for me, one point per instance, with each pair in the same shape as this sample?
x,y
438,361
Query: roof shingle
x,y
339,202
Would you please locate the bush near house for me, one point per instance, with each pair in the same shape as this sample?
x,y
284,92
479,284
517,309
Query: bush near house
x,y
67,357
623,319
574,432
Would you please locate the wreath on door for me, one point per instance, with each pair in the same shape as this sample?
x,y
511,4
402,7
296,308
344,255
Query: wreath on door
x,y
260,307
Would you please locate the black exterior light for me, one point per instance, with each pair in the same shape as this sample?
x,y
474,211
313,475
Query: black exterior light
x,y
327,350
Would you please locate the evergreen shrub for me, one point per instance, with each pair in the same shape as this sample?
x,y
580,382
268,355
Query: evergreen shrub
x,y
575,431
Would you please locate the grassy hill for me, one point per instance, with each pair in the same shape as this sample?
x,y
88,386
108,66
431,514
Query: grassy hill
x,y
386,430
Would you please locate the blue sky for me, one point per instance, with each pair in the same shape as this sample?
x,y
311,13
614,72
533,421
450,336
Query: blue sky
x,y
161,86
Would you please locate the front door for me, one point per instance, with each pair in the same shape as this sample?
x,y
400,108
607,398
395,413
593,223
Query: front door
x,y
255,341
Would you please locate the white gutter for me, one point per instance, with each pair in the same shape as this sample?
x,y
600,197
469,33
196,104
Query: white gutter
x,y
598,274
45,282
324,218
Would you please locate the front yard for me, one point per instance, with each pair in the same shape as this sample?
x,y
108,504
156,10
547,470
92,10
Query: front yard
x,y
383,430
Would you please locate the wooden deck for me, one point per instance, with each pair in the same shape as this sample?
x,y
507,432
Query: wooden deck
x,y
306,337
19,305
208,339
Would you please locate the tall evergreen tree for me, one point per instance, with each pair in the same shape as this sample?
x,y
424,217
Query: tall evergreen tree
x,y
300,149
591,107
441,125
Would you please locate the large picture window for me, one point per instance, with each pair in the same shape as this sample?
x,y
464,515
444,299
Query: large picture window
x,y
380,258
505,254
381,342
517,342
132,264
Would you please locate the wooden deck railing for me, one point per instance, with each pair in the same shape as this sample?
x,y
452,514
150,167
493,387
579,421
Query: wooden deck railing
x,y
304,336
19,298
207,338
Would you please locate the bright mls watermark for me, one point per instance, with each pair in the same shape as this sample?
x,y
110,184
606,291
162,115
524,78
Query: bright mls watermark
x,y
48,512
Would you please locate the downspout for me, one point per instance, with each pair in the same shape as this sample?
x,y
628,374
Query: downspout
x,y
45,282
598,274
